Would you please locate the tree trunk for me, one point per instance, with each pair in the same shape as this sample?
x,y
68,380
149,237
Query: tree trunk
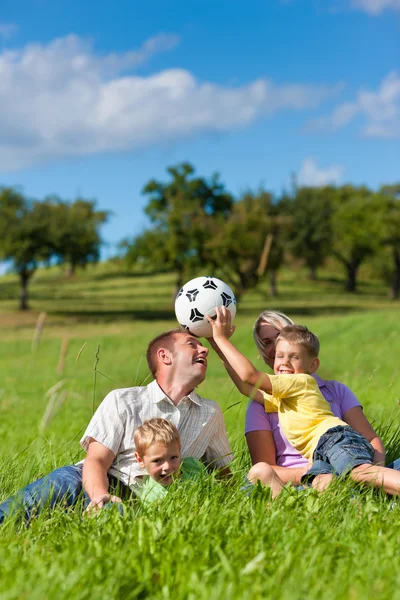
x,y
70,270
313,273
178,284
23,292
352,271
273,284
395,291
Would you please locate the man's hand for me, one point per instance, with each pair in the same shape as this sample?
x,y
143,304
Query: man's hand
x,y
222,324
100,501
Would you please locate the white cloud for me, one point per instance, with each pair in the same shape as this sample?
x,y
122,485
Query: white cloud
x,y
311,175
62,99
379,111
7,30
375,7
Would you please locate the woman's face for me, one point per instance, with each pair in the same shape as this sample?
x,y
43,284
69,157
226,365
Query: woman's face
x,y
268,335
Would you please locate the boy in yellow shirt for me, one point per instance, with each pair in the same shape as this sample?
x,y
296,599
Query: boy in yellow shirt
x,y
330,445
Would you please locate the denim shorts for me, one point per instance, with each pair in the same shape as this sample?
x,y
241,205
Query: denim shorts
x,y
338,451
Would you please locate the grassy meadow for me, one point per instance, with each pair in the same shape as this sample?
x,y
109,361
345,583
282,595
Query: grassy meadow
x,y
207,541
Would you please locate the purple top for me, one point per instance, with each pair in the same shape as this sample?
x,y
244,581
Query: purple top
x,y
340,398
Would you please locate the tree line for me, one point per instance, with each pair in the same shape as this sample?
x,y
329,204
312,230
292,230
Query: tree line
x,y
195,223
34,233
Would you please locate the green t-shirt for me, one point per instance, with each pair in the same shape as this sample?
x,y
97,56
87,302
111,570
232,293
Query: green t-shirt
x,y
151,491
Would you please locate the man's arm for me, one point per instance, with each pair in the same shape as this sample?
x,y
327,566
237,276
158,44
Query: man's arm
x,y
245,370
94,475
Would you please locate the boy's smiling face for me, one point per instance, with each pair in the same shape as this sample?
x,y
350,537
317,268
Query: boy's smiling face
x,y
292,359
161,461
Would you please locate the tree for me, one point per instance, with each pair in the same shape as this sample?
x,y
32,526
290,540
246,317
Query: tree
x,y
311,230
25,236
237,244
356,229
75,232
181,211
389,220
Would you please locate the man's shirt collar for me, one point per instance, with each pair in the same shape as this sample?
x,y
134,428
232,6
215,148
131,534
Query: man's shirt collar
x,y
156,394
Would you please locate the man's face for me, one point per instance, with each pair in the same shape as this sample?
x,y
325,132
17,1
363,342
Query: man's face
x,y
161,461
190,356
293,359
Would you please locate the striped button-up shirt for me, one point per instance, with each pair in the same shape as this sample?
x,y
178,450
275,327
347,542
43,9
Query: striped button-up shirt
x,y
200,423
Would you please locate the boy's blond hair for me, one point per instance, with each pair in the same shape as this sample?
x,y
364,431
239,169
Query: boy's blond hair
x,y
152,431
298,334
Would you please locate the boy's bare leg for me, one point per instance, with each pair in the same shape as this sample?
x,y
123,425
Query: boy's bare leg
x,y
266,475
322,482
379,477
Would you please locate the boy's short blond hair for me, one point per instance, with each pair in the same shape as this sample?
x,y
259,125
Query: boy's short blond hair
x,y
152,431
298,334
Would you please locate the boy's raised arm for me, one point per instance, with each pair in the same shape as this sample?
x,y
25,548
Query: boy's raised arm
x,y
222,330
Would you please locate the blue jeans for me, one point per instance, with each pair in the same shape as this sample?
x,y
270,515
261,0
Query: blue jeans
x,y
62,486
394,465
339,451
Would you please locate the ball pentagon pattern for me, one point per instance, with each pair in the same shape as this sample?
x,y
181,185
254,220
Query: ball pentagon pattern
x,y
198,297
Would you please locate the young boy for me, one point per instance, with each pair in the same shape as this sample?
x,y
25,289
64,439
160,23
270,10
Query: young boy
x,y
158,450
330,445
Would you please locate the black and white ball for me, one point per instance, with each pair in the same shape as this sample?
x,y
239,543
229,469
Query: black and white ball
x,y
198,297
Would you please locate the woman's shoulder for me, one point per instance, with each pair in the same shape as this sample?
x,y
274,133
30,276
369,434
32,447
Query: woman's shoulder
x,y
257,419
338,392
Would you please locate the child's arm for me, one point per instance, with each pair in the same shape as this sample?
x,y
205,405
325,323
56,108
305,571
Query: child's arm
x,y
244,388
243,368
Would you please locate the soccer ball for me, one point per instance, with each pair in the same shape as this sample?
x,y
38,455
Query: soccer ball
x,y
198,297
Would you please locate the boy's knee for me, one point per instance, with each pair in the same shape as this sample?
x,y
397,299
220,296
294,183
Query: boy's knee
x,y
261,472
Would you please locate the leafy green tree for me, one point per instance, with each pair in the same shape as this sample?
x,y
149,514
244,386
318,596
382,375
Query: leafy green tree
x,y
389,220
236,248
181,211
311,227
76,231
356,229
25,236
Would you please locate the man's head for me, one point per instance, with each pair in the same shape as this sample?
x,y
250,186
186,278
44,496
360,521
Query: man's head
x,y
296,351
158,449
180,353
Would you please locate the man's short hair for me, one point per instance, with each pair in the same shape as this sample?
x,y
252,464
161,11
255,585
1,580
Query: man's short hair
x,y
298,334
164,340
153,431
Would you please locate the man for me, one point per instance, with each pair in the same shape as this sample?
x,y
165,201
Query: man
x,y
178,362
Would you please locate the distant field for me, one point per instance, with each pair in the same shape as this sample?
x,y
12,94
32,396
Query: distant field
x,y
212,542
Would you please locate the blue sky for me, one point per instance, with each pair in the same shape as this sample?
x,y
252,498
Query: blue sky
x,y
98,97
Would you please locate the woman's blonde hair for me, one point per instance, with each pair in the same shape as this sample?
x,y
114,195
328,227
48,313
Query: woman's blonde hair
x,y
268,317
152,431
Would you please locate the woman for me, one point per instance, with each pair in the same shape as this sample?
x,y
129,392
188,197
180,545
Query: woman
x,y
264,437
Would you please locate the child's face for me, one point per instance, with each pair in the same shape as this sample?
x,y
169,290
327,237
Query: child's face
x,y
161,461
293,359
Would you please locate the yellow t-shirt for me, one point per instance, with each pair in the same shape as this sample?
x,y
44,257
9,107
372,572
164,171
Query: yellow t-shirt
x,y
304,414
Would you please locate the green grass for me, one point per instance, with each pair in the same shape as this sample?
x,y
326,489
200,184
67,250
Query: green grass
x,y
209,540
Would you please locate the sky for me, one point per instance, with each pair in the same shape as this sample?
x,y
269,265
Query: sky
x,y
96,98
